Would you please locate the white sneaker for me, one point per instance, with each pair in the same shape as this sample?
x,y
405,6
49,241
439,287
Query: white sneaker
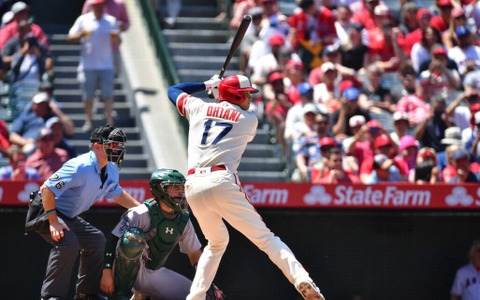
x,y
87,126
309,291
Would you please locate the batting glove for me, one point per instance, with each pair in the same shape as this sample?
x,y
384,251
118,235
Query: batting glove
x,y
212,82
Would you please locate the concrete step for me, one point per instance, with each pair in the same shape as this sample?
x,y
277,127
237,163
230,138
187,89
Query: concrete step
x,y
72,84
198,23
260,150
199,49
67,61
262,136
121,121
70,108
75,95
195,36
60,50
203,62
261,163
199,10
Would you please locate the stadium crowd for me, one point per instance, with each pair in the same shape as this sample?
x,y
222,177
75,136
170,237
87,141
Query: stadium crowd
x,y
357,92
353,91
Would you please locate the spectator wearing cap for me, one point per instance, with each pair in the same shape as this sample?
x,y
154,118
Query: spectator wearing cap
x,y
422,50
400,126
56,126
461,110
349,108
461,163
25,128
442,20
98,34
361,145
268,62
366,15
382,144
416,105
296,123
21,18
330,54
423,17
431,130
354,52
466,54
325,93
471,136
7,18
47,159
446,81
308,38
117,9
384,170
407,154
308,148
426,170
384,42
17,170
457,19
277,106
333,171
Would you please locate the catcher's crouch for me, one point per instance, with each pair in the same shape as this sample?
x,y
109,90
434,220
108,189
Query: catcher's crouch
x,y
138,247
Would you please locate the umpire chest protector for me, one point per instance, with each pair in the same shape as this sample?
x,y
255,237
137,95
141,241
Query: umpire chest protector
x,y
168,232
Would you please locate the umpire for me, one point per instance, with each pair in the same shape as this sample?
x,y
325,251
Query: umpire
x,y
69,192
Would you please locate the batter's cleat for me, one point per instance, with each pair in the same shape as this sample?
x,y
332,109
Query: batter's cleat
x,y
309,291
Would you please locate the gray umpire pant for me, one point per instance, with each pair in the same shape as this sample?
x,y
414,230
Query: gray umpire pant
x,y
82,238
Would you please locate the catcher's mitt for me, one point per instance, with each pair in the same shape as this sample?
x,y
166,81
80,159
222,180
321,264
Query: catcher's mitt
x,y
214,293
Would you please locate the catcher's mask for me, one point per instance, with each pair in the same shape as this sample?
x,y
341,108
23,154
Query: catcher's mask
x,y
114,141
232,89
160,180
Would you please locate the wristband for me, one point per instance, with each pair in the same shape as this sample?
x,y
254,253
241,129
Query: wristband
x,y
49,212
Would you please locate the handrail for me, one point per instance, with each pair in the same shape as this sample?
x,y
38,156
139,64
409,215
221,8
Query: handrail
x,y
164,58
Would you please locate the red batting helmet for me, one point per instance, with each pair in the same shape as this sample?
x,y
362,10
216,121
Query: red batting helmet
x,y
232,89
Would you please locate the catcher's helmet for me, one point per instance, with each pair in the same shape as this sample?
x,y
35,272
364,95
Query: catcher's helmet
x,y
232,89
114,140
159,181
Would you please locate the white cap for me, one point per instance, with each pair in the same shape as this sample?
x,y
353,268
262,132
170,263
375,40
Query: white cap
x,y
381,10
477,118
400,115
327,66
7,18
52,121
357,120
18,7
40,97
310,107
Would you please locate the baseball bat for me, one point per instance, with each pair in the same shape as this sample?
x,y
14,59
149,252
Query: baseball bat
x,y
247,19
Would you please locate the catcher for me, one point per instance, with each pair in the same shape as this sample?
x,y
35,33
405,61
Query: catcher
x,y
138,247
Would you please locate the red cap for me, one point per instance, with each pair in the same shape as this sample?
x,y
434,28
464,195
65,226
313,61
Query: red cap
x,y
95,2
475,107
423,13
427,153
276,40
382,140
374,124
275,76
294,63
444,3
439,51
327,141
348,83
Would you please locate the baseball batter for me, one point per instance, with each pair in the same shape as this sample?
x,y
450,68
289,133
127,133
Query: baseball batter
x,y
218,135
139,246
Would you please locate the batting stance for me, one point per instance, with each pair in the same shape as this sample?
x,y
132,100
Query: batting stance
x,y
139,246
218,135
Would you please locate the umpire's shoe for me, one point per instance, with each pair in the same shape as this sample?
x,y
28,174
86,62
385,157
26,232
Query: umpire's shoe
x,y
309,291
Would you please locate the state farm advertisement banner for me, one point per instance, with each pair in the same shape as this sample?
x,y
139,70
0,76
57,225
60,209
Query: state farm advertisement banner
x,y
294,195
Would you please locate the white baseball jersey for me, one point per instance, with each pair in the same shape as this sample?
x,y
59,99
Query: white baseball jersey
x,y
219,132
467,283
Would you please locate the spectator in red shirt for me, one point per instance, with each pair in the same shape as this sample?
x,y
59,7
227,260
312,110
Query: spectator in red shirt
x,y
46,159
408,150
400,126
423,16
21,18
333,173
416,106
311,28
384,169
442,21
383,144
365,16
361,145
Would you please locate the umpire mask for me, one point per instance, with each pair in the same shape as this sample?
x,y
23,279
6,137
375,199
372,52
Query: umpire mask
x,y
115,146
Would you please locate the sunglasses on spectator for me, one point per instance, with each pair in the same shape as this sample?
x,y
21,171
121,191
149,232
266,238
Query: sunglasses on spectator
x,y
322,122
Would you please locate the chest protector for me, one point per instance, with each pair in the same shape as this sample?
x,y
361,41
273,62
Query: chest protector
x,y
168,232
